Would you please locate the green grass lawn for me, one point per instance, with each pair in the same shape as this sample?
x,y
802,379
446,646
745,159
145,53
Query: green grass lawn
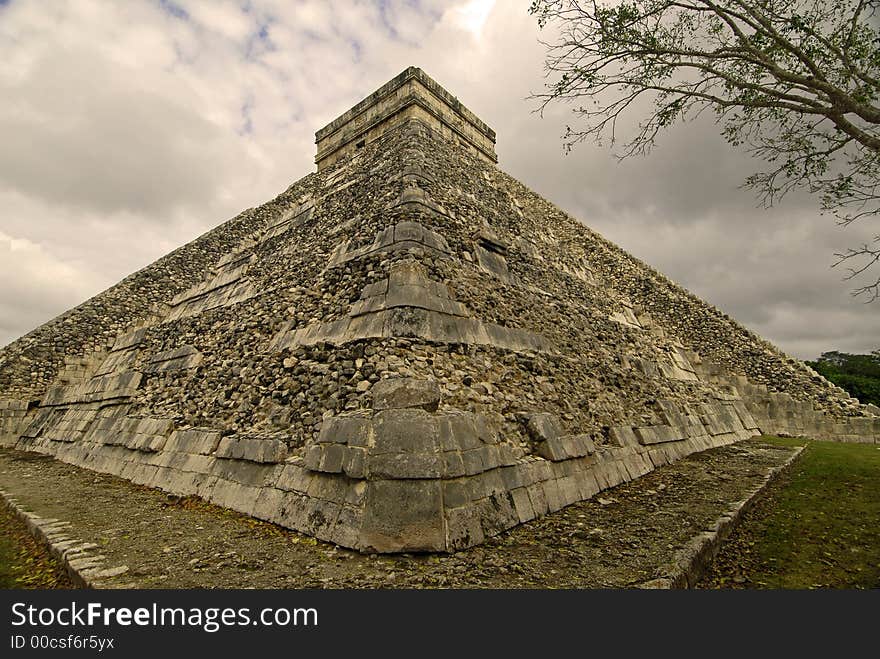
x,y
818,526
7,558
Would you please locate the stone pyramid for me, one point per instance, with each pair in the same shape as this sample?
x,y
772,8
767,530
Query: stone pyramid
x,y
407,350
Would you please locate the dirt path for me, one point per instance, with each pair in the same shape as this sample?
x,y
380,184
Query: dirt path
x,y
623,537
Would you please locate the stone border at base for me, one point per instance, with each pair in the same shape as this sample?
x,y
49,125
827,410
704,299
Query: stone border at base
x,y
82,560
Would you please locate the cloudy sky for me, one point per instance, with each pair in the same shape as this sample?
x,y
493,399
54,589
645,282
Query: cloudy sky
x,y
129,128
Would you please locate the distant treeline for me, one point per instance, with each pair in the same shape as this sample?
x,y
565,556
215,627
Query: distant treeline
x,y
857,374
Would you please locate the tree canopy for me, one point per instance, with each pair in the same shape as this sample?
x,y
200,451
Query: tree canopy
x,y
859,375
795,82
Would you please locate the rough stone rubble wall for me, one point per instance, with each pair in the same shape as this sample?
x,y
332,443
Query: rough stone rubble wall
x,y
29,364
560,365
698,325
372,483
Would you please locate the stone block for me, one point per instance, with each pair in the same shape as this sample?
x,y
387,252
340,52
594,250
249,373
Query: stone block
x,y
312,457
292,513
497,513
234,495
354,462
370,305
269,451
509,455
552,495
458,492
568,489
321,515
331,458
370,325
490,457
329,487
230,448
405,431
384,238
473,461
538,499
409,231
436,241
458,432
346,529
410,295
537,470
567,447
350,430
401,393
648,435
493,263
513,477
453,464
552,449
543,426
377,288
355,491
587,485
587,444
523,505
268,504
241,471
405,465
294,478
487,428
453,329
403,515
201,441
464,528
488,483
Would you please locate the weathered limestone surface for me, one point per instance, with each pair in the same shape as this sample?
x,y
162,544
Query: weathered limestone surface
x,y
12,417
407,351
408,304
411,95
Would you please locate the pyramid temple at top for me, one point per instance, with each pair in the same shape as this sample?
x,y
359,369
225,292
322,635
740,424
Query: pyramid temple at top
x,y
407,350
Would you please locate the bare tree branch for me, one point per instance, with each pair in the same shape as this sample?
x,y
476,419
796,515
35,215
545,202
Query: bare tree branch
x,y
796,83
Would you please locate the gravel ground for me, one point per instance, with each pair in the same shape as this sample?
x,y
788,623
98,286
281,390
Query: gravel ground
x,y
620,538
